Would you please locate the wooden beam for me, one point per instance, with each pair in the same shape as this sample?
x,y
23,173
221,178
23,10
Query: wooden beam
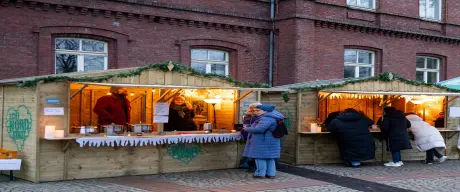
x,y
162,96
453,98
242,96
174,94
78,91
324,98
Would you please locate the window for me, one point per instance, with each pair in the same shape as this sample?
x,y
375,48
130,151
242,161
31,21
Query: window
x,y
427,69
74,55
359,63
367,4
430,9
210,61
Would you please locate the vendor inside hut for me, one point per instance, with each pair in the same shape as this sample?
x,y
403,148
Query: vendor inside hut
x,y
181,116
113,108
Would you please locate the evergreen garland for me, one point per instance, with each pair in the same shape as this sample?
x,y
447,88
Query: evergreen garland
x,y
178,67
385,77
285,96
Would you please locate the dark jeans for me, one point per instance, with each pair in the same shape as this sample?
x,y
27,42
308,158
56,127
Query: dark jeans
x,y
430,155
396,156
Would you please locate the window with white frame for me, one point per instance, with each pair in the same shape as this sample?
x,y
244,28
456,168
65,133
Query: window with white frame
x,y
73,54
431,9
358,63
210,61
367,4
427,69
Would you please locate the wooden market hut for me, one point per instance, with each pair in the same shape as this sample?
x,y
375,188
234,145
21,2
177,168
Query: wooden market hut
x,y
24,100
314,100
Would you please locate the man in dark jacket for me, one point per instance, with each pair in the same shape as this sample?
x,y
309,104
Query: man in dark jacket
x,y
394,127
353,137
113,108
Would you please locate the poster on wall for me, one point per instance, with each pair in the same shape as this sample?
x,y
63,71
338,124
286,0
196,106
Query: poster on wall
x,y
454,112
161,114
54,111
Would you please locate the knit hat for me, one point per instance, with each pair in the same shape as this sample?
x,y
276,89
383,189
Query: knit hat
x,y
266,107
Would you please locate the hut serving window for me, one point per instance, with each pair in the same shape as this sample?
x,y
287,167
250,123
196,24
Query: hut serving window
x,y
210,61
427,69
74,55
358,63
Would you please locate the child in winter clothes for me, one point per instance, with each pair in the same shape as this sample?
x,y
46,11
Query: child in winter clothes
x,y
427,138
394,127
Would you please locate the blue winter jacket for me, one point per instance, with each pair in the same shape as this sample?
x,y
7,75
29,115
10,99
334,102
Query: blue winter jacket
x,y
261,144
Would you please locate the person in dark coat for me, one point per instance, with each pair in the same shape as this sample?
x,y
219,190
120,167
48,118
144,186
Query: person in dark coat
x,y
353,137
113,108
395,128
331,117
180,116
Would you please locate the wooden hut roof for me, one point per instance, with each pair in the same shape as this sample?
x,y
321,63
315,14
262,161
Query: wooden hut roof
x,y
385,83
106,77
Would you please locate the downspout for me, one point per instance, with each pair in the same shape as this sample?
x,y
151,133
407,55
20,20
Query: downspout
x,y
271,43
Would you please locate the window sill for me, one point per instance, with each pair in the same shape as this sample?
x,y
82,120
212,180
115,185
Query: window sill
x,y
372,10
431,20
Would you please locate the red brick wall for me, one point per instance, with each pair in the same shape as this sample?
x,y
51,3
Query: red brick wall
x,y
27,38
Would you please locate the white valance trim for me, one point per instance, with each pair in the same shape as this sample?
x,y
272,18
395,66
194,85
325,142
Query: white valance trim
x,y
156,140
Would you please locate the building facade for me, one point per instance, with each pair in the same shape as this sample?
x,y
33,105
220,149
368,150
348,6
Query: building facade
x,y
313,39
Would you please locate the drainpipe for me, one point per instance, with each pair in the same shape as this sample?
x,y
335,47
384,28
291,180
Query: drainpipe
x,y
271,43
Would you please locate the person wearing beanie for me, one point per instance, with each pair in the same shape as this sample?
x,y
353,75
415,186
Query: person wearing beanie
x,y
261,144
113,108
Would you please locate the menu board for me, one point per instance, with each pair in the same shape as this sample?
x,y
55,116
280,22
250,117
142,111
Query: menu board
x,y
161,113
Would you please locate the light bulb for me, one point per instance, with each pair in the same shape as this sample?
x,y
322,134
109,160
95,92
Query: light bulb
x,y
132,94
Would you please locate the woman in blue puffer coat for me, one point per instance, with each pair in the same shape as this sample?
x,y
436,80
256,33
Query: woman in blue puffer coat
x,y
261,144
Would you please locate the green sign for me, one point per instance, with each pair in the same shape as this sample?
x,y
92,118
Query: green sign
x,y
18,125
184,152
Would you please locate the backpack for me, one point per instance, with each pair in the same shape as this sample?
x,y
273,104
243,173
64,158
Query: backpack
x,y
280,129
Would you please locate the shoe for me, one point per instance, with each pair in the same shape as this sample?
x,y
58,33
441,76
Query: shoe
x,y
429,163
401,163
392,164
270,177
257,177
442,159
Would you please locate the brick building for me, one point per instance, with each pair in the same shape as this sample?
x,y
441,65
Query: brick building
x,y
313,39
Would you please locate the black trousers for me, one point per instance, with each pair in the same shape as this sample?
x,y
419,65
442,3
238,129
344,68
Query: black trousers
x,y
430,155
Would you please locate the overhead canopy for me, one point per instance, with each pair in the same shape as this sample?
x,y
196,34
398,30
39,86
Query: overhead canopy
x,y
398,93
453,83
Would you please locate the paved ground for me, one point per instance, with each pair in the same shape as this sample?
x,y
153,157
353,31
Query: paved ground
x,y
413,176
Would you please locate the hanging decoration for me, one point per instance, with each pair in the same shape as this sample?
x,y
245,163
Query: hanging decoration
x,y
165,66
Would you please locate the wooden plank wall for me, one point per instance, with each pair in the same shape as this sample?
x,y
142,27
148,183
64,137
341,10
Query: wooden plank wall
x,y
308,110
289,110
13,98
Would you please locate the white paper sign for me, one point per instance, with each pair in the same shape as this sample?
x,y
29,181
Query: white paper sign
x,y
54,110
454,112
10,164
160,119
162,109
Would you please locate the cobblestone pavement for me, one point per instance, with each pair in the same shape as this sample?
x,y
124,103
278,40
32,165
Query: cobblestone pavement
x,y
414,175
209,181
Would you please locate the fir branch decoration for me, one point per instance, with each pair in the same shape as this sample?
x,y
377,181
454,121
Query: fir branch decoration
x,y
385,77
285,96
178,67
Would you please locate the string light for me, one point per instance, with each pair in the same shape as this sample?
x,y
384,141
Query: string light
x,y
132,94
